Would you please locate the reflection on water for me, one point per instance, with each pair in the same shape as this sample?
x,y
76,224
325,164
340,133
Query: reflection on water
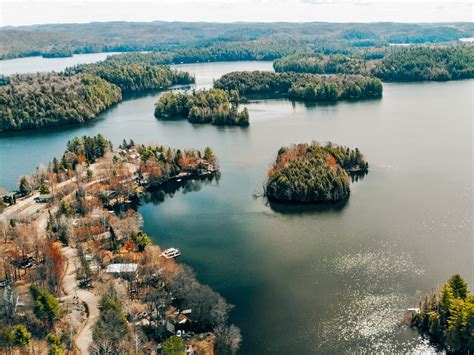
x,y
307,208
168,190
370,305
356,176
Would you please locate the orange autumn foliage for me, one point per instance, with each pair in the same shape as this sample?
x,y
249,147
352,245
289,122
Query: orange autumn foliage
x,y
81,158
331,161
130,245
57,259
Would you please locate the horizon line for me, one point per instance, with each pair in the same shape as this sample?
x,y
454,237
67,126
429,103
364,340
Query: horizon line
x,y
238,22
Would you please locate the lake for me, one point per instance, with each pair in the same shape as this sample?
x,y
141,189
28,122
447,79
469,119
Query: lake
x,y
40,64
309,279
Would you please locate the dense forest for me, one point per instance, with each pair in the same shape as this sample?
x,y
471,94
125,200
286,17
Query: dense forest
x,y
79,93
131,77
219,52
310,87
415,63
215,106
268,40
312,173
41,100
321,64
447,317
427,63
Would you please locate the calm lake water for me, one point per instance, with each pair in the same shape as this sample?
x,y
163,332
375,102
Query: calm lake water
x,y
309,279
40,64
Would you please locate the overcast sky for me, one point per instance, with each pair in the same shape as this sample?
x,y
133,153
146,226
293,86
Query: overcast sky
x,y
26,12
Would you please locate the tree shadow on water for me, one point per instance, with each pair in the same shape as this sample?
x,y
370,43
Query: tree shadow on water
x,y
307,208
169,189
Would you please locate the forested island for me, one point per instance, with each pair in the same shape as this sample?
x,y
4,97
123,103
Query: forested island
x,y
42,100
446,317
78,94
412,63
80,259
313,173
311,87
215,106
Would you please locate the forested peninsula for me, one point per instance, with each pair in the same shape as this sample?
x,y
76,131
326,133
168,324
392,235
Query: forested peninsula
x,y
214,106
89,278
446,317
78,94
311,87
42,100
312,173
427,63
132,76
412,63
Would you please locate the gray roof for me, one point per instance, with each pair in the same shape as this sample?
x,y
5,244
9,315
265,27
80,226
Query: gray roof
x,y
121,268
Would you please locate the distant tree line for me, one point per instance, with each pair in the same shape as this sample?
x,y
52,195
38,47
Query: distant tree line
x,y
309,87
320,64
218,41
313,173
216,52
215,106
447,317
41,100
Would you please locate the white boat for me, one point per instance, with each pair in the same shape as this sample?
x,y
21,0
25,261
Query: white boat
x,y
171,253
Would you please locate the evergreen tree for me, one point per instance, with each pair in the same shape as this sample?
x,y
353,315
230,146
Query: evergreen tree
x,y
25,186
114,245
458,286
173,346
46,306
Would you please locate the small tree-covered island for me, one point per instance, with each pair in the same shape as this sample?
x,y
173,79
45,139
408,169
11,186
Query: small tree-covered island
x,y
313,173
215,106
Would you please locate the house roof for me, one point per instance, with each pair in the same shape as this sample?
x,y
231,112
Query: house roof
x,y
121,268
